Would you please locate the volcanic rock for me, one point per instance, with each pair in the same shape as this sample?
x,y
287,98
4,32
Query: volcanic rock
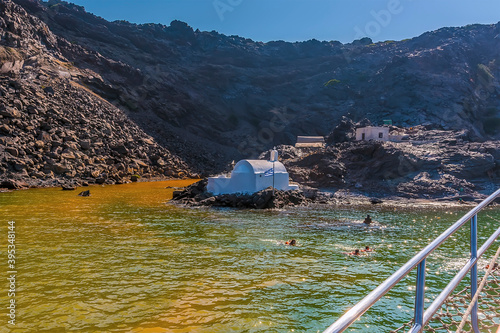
x,y
197,195
425,165
68,187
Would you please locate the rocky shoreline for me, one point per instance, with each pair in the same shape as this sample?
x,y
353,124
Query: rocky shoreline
x,y
10,185
196,195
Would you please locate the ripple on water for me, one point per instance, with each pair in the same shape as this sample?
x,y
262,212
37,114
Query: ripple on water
x,y
123,261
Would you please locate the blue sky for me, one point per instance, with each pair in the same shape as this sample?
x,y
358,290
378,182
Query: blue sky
x,y
298,20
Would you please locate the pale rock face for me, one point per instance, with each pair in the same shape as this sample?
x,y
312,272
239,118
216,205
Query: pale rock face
x,y
11,66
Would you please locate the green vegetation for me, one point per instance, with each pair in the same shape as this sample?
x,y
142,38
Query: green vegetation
x,y
331,82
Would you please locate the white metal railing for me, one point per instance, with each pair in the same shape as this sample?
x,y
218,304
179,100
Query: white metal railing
x,y
421,318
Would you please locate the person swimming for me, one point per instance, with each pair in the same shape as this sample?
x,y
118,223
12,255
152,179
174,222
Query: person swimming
x,y
368,220
353,253
367,249
292,242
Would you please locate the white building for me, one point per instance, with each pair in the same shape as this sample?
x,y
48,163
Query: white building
x,y
310,142
372,133
250,176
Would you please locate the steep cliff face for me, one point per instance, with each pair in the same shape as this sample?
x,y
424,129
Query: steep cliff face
x,y
53,129
209,98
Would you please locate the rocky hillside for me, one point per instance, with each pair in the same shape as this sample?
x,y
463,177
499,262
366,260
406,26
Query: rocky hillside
x,y
101,101
230,97
55,130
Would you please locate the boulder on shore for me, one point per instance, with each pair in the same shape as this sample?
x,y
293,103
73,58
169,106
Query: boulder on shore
x,y
11,184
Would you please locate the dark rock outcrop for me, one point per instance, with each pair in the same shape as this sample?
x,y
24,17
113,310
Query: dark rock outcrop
x,y
196,195
13,184
345,131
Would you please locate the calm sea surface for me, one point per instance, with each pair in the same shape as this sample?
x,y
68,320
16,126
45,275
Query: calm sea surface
x,y
123,260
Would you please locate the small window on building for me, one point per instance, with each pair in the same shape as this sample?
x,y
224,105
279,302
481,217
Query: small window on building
x,y
362,136
381,135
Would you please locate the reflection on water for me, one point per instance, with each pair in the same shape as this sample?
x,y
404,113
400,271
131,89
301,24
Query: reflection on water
x,y
122,260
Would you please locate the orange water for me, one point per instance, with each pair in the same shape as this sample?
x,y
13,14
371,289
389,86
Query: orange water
x,y
124,260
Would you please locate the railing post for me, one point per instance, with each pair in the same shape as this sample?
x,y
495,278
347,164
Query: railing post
x,y
473,271
419,298
419,260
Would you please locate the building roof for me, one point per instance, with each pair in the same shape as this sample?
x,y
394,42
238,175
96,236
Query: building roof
x,y
373,127
310,139
258,166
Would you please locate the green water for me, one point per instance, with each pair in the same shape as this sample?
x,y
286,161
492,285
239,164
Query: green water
x,y
122,260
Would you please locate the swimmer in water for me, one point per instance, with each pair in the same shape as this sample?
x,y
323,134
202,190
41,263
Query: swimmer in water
x,y
368,220
367,249
353,253
293,242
